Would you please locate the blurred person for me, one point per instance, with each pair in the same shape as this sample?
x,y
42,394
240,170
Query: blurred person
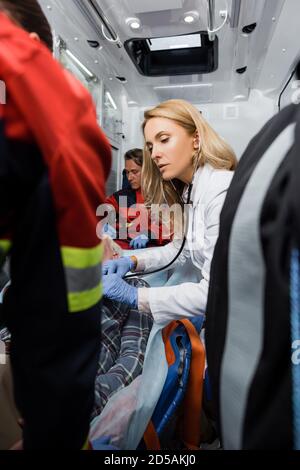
x,y
54,161
123,229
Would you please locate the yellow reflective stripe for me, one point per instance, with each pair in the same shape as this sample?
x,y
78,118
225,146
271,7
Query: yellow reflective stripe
x,y
5,245
81,258
78,301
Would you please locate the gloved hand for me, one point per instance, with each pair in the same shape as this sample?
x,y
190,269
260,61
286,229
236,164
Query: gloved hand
x,y
110,231
140,241
115,288
119,266
103,443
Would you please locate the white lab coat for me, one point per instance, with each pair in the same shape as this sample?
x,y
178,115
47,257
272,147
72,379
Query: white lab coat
x,y
188,299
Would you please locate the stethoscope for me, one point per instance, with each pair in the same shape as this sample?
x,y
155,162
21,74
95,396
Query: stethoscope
x,y
137,274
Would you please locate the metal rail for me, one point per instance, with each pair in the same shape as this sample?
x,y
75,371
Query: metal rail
x,y
211,19
105,24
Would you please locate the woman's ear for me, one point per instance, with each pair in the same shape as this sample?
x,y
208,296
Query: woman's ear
x,y
35,36
196,141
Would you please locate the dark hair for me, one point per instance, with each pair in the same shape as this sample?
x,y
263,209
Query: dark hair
x,y
136,155
29,15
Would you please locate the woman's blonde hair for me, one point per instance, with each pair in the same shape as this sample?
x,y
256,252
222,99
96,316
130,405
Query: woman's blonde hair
x,y
213,150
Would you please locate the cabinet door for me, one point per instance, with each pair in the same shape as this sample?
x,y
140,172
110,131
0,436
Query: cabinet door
x,y
113,182
112,116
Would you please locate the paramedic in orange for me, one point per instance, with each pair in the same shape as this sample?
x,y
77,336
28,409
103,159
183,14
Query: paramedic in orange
x,y
122,200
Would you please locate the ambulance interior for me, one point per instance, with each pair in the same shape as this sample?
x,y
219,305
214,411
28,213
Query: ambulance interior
x,y
133,54
235,60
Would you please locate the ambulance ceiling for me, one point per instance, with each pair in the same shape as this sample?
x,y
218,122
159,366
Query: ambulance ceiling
x,y
260,59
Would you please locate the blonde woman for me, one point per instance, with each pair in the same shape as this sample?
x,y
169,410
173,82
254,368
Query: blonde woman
x,y
181,149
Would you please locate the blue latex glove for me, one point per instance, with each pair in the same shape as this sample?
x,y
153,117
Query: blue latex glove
x,y
110,231
103,443
115,288
139,242
119,266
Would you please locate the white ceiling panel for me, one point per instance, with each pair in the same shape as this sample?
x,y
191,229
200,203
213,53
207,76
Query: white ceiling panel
x,y
145,6
197,93
268,53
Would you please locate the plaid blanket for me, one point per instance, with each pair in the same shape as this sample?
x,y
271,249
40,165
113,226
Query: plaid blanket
x,y
124,339
5,338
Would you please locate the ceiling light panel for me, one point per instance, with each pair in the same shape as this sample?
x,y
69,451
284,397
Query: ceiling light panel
x,y
175,42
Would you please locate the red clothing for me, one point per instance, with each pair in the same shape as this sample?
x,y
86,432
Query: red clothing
x,y
52,109
126,228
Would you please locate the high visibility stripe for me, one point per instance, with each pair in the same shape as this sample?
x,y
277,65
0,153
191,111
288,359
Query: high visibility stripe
x,y
81,258
78,301
5,245
83,276
80,280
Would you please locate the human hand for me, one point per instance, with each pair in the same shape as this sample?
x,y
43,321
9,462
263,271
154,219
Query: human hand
x,y
103,443
115,288
110,231
138,242
119,266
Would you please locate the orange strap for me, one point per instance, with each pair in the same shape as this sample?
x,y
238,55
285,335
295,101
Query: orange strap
x,y
194,392
193,397
151,438
169,351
